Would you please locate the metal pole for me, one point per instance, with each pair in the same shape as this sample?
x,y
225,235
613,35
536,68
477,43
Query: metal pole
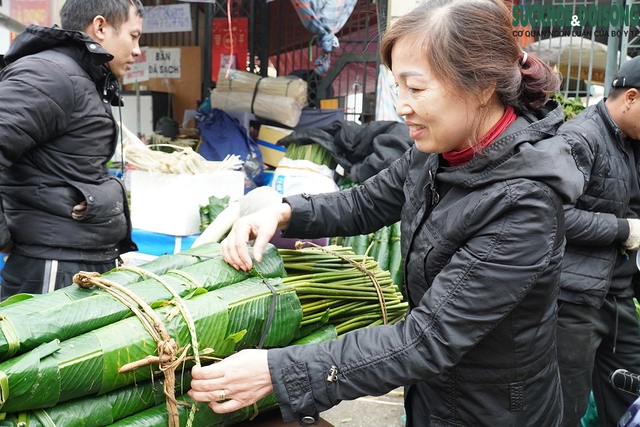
x,y
613,44
138,111
264,38
208,45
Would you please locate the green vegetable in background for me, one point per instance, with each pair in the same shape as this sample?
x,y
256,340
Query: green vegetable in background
x,y
571,107
209,212
312,152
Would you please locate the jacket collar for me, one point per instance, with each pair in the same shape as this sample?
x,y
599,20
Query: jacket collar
x,y
35,39
84,50
612,126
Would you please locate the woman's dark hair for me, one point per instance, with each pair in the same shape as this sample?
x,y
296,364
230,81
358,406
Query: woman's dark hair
x,y
78,14
470,46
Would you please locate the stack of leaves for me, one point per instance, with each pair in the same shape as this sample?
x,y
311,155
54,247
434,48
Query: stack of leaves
x,y
209,212
121,338
312,152
142,404
25,324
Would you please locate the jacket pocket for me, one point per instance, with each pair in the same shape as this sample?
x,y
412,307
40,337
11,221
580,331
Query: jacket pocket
x,y
104,200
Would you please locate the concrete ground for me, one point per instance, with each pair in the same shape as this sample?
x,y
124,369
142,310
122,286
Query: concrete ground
x,y
383,411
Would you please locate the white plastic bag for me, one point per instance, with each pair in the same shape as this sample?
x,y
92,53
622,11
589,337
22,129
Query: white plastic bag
x,y
302,176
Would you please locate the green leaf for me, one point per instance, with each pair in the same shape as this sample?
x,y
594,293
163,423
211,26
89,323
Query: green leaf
x,y
23,328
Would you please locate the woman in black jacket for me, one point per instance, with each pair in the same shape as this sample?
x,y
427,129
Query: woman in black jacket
x,y
480,196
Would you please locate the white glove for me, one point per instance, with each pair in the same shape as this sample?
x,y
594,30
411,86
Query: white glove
x,y
633,241
253,201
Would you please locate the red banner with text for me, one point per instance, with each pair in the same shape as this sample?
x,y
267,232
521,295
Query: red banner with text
x,y
222,54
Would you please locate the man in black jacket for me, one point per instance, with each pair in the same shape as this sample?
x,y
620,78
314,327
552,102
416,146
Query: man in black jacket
x,y
598,329
63,212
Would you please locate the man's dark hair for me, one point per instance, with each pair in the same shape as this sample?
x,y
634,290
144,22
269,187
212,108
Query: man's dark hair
x,y
615,92
78,14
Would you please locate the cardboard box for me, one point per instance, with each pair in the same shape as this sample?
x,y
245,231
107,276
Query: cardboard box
x,y
170,203
271,153
268,138
329,104
272,134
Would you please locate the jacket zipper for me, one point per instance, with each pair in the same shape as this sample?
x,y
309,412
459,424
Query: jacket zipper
x,y
434,196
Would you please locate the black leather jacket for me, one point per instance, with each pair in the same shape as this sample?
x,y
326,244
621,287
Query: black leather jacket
x,y
57,134
593,223
482,247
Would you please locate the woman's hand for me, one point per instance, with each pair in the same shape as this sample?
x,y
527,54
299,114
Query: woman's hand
x,y
261,226
237,381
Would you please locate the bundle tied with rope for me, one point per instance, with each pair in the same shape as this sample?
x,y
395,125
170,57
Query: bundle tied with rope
x,y
280,99
358,265
167,359
326,289
242,81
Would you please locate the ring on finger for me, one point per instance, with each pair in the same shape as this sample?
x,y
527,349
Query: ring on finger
x,y
223,395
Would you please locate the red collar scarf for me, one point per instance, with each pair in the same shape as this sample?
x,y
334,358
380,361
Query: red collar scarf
x,y
457,158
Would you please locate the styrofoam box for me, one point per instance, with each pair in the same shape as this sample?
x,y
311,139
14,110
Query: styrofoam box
x,y
170,203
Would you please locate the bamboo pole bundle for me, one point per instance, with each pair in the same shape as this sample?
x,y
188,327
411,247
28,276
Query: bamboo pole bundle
x,y
281,109
242,81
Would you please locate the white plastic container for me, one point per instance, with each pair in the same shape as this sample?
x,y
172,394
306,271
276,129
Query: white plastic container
x,y
170,203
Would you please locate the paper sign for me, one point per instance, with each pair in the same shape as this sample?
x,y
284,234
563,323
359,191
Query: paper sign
x,y
139,71
164,63
171,18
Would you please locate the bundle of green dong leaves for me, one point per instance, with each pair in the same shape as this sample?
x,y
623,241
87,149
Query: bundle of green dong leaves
x,y
118,349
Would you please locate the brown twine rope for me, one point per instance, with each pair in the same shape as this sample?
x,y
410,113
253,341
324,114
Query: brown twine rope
x,y
167,358
359,266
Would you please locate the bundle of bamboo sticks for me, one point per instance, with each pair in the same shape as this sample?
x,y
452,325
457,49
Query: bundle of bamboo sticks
x,y
280,99
242,81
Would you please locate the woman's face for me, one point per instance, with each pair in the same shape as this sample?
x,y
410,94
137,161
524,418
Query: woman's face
x,y
439,121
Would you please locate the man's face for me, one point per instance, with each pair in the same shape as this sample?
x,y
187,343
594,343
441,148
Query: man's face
x,y
629,122
123,44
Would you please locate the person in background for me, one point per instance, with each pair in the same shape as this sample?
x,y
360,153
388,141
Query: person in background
x,y
62,211
480,196
598,330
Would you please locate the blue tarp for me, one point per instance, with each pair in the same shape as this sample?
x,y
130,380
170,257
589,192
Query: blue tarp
x,y
222,135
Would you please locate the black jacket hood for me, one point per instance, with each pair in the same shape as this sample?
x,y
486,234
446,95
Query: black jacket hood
x,y
35,39
88,53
